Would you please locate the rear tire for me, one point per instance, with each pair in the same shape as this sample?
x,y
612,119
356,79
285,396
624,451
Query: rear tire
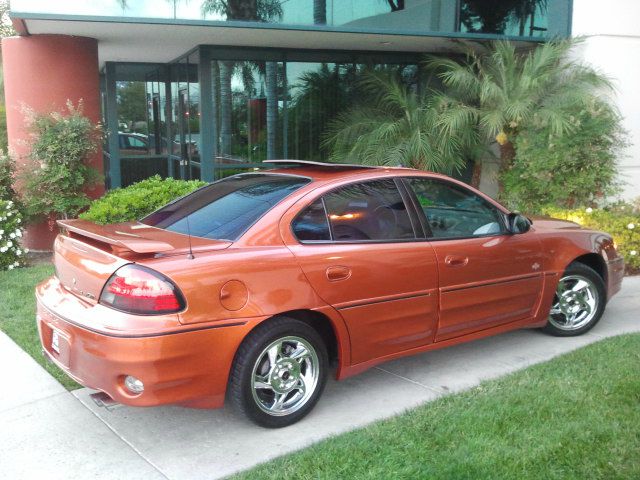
x,y
579,302
279,372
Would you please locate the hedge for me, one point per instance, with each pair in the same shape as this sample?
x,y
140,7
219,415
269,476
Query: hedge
x,y
138,200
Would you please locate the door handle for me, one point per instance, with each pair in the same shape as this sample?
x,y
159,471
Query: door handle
x,y
338,272
456,261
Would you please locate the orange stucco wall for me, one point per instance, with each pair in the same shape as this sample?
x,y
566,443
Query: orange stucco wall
x,y
43,72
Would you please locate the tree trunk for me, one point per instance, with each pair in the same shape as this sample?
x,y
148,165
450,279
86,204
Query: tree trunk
x,y
215,92
271,80
507,154
226,71
320,12
477,173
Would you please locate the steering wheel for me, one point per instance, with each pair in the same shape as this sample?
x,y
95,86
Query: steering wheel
x,y
385,216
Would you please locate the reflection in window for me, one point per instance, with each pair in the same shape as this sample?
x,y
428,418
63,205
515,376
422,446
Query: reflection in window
x,y
266,110
524,18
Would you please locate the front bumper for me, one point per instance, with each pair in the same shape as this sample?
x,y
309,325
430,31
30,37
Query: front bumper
x,y
615,275
178,364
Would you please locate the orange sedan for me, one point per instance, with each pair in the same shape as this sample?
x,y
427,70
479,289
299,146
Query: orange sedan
x,y
255,286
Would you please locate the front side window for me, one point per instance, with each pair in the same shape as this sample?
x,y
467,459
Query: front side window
x,y
454,212
224,210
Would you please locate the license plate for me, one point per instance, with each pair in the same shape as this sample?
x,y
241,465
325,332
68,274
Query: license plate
x,y
55,342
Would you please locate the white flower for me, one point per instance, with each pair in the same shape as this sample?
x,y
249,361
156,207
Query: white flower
x,y
26,250
1,232
18,233
8,206
18,252
3,249
16,264
633,253
9,214
18,220
631,226
589,210
10,202
9,244
12,235
11,267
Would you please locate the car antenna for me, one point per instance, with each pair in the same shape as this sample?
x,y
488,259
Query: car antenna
x,y
190,256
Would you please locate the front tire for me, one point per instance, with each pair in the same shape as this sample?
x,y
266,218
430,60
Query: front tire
x,y
579,302
279,372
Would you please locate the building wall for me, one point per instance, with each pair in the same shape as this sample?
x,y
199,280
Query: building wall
x,y
43,72
611,34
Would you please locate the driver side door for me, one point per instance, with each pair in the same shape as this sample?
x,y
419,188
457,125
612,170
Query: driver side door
x,y
487,276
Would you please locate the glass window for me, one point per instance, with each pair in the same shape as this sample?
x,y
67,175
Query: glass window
x,y
455,212
522,18
224,210
368,211
137,143
312,224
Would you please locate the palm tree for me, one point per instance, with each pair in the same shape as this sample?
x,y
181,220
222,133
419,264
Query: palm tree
x,y
396,127
501,91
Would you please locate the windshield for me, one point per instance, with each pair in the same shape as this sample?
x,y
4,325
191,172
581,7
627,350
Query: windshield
x,y
225,209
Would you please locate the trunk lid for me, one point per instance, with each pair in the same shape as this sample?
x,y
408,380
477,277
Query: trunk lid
x,y
87,254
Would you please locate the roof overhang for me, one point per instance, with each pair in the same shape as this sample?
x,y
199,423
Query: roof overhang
x,y
161,41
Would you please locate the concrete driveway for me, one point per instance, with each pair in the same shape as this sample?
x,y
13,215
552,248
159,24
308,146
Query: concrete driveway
x,y
179,443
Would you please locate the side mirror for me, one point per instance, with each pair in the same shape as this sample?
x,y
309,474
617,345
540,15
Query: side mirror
x,y
517,223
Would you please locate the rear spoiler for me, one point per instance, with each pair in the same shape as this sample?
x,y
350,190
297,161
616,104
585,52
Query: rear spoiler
x,y
111,235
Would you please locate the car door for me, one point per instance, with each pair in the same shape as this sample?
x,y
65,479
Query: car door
x,y
357,245
487,276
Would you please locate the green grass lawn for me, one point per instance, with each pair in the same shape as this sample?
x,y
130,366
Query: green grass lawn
x,y
18,317
575,417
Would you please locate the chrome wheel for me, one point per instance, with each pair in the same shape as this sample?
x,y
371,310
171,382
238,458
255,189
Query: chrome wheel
x,y
285,376
575,304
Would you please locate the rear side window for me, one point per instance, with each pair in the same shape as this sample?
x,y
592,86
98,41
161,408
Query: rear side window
x,y
368,211
312,225
224,210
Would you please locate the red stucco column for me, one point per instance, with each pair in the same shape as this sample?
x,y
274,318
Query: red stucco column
x,y
43,72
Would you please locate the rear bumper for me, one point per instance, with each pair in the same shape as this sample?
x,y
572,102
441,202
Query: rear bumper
x,y
189,367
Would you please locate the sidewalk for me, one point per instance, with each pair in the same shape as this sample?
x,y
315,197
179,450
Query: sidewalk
x,y
47,432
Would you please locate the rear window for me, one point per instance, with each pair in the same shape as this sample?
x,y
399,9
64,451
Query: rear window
x,y
225,209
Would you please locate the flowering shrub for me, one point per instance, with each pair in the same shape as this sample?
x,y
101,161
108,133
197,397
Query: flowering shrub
x,y
11,252
621,220
61,145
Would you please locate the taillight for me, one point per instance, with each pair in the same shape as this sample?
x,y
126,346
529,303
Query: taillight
x,y
137,289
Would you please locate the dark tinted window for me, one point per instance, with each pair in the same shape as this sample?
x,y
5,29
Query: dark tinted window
x,y
455,212
312,224
368,211
225,209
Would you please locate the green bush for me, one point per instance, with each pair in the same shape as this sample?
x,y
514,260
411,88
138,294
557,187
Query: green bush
x,y
138,200
577,168
11,253
61,146
620,220
7,172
